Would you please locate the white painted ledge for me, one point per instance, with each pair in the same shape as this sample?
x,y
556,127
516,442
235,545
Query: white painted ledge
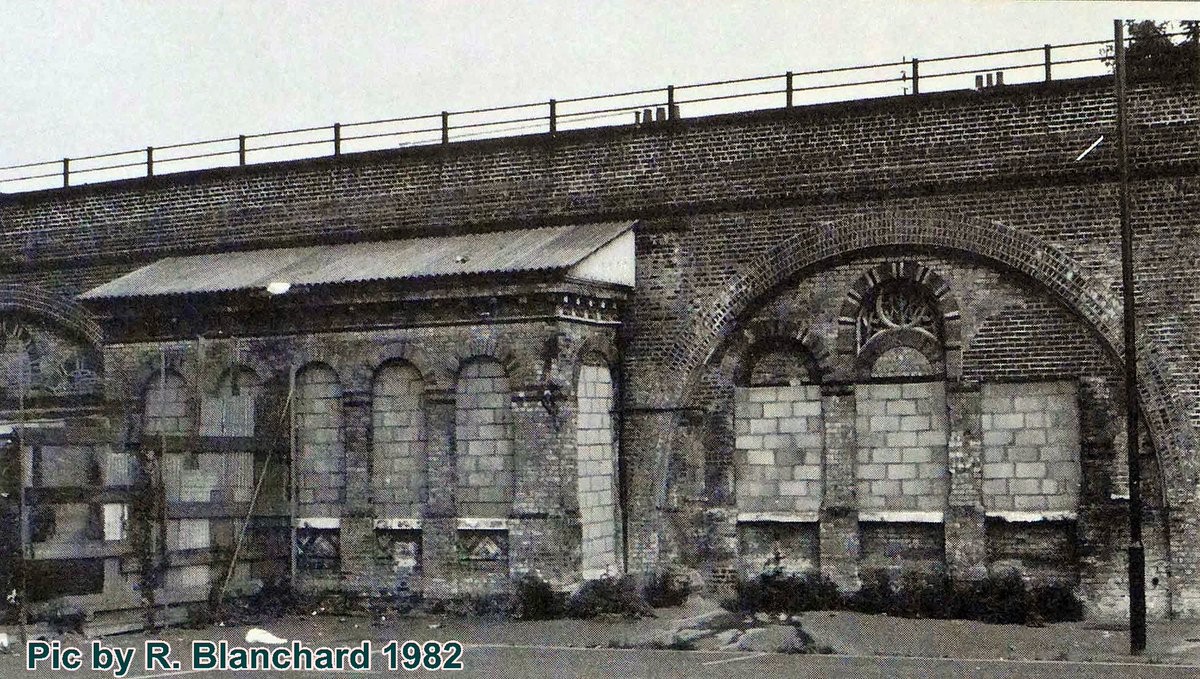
x,y
482,524
397,524
318,522
779,517
1030,517
901,516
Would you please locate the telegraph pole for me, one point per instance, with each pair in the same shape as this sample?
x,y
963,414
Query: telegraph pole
x,y
1137,553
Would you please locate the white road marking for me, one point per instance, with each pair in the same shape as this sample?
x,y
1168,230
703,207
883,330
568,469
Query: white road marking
x,y
742,656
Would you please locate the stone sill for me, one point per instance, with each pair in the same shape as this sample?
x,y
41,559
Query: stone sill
x,y
482,524
397,524
326,522
901,516
778,517
1030,517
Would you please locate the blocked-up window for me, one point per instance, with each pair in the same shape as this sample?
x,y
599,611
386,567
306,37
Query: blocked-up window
x,y
596,462
398,424
230,411
1031,447
902,453
166,410
483,440
321,465
780,436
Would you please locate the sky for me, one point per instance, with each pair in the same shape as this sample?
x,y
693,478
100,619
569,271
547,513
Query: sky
x,y
82,78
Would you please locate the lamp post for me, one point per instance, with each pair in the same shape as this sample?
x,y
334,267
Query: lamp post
x,y
1137,553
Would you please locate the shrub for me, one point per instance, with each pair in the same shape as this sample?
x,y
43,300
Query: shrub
x,y
609,596
1001,599
778,592
534,599
875,595
1057,603
662,590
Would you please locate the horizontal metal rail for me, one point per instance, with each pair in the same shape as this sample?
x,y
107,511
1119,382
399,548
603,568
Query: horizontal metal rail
x,y
645,106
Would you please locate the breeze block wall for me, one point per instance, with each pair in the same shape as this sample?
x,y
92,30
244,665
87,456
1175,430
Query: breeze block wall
x,y
736,214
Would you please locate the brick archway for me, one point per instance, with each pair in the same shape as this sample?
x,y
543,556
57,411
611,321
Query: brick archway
x,y
61,311
1165,413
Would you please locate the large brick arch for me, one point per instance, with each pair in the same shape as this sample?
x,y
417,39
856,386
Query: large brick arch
x,y
61,311
1165,412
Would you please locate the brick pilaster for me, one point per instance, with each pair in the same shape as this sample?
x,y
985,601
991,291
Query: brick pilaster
x,y
839,543
966,537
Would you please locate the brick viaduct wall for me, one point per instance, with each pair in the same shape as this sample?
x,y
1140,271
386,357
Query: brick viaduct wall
x,y
731,208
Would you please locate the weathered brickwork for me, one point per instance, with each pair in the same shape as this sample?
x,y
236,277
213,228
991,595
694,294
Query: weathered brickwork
x,y
754,236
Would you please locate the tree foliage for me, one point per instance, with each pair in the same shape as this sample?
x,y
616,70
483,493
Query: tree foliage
x,y
1161,51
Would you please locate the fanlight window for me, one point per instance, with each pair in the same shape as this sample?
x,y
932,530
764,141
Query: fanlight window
x,y
897,305
37,362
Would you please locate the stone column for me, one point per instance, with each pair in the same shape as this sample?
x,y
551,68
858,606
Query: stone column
x,y
839,508
439,557
966,533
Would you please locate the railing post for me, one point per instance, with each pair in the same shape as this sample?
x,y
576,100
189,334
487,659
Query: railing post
x,y
789,89
670,102
445,127
337,139
916,75
66,172
241,149
149,161
553,116
1046,52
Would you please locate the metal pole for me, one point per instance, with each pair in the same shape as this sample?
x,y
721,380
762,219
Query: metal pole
x,y
337,139
789,89
916,75
294,466
445,127
1046,54
670,102
241,149
1137,554
66,172
553,116
149,161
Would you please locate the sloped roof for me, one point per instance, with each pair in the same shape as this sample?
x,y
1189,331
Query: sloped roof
x,y
525,250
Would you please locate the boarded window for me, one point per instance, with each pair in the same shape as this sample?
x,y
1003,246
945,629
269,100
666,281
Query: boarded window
x,y
321,468
230,412
166,410
398,423
483,439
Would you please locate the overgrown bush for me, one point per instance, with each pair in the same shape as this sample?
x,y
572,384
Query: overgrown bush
x,y
534,599
1001,599
662,590
779,592
609,597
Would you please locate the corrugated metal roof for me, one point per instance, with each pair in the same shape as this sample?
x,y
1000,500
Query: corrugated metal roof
x,y
548,248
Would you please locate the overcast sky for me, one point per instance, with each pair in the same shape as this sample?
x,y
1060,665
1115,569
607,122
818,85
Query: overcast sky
x,y
90,77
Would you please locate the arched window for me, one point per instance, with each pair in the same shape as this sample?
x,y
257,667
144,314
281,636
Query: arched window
x,y
483,440
596,462
398,431
321,464
898,304
230,412
166,407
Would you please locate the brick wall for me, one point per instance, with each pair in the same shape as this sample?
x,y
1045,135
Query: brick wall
x,y
166,410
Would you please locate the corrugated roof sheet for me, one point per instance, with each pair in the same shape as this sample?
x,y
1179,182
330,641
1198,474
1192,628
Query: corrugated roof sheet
x,y
549,248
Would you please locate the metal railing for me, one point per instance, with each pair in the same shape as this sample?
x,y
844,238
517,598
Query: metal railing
x,y
637,107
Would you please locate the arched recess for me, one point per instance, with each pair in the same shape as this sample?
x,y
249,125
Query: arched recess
x,y
398,463
983,241
49,347
60,311
596,467
483,438
321,461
